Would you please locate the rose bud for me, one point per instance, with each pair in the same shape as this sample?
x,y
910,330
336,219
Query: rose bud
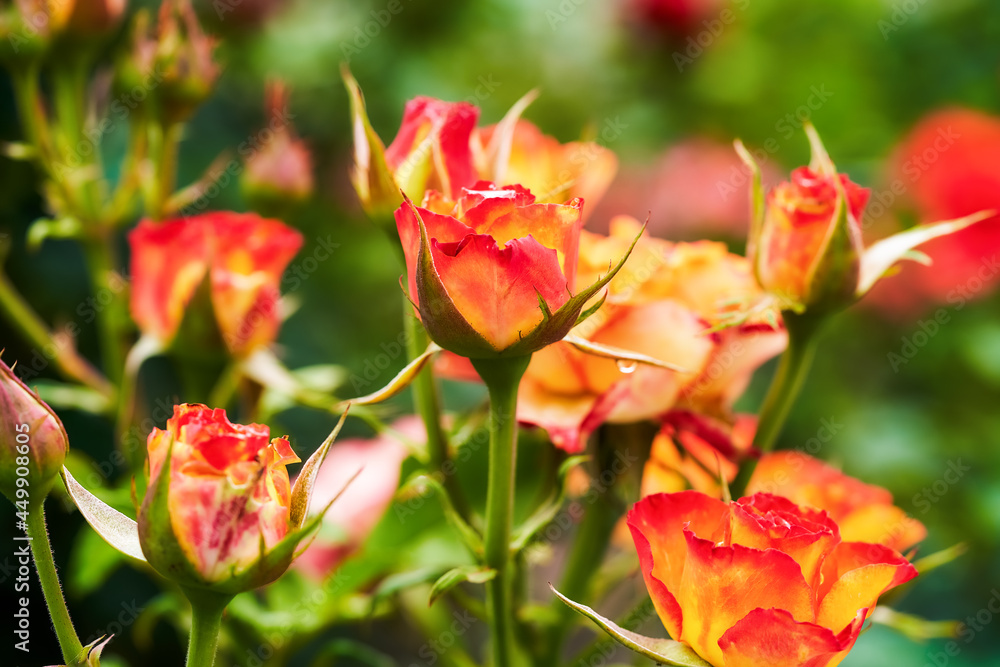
x,y
219,502
234,259
806,243
27,28
493,277
33,442
431,151
758,581
280,171
181,55
865,513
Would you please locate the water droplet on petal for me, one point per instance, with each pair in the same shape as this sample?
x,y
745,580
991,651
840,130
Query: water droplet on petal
x,y
626,365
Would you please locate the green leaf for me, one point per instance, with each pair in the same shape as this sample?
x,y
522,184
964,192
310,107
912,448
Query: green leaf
x,y
476,574
117,529
663,651
883,255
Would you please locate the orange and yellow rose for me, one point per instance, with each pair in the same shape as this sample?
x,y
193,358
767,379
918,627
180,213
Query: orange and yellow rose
x,y
806,240
439,148
759,581
224,504
242,258
492,273
864,512
661,304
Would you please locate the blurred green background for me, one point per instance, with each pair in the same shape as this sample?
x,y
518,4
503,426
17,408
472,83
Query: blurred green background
x,y
594,66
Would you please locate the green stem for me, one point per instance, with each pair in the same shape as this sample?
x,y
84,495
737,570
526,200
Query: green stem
x,y
167,138
427,403
45,566
502,377
112,318
206,622
803,339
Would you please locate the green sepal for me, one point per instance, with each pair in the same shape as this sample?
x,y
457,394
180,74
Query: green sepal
x,y
833,278
156,531
880,258
398,383
619,354
475,574
115,528
663,651
306,479
757,205
374,183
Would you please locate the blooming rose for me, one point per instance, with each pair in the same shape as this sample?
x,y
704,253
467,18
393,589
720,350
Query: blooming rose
x,y
224,505
242,256
660,304
758,581
865,513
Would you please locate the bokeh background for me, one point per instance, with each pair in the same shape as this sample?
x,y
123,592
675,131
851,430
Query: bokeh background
x,y
641,83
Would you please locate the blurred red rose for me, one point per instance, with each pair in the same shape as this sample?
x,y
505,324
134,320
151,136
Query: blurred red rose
x,y
241,255
948,167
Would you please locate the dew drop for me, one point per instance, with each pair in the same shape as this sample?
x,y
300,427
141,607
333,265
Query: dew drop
x,y
626,365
